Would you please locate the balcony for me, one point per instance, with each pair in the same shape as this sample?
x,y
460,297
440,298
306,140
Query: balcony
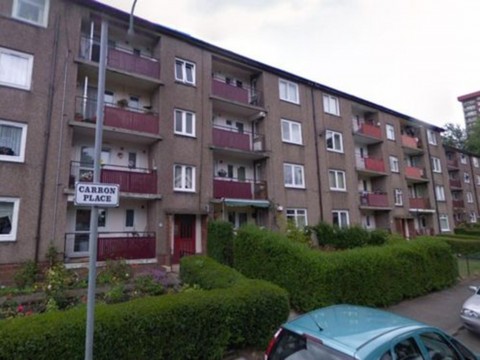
x,y
224,137
236,189
415,174
411,144
452,163
367,133
367,164
455,183
419,203
117,117
112,245
234,92
374,199
458,203
120,58
131,180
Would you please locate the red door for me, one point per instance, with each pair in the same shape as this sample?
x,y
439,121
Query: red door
x,y
183,237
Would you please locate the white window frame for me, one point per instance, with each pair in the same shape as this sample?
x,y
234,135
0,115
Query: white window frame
x,y
184,186
183,119
473,216
23,142
475,161
14,222
444,223
440,192
432,137
290,170
184,65
390,130
436,165
294,128
394,164
288,91
335,175
398,195
43,21
469,196
466,177
334,135
339,214
331,105
463,158
297,215
28,76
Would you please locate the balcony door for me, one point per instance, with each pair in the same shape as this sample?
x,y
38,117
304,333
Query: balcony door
x,y
82,229
183,236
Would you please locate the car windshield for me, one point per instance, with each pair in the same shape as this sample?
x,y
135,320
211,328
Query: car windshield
x,y
292,346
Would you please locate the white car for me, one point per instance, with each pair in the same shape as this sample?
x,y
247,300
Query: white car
x,y
470,313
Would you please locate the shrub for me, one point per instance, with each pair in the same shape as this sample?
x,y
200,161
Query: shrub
x,y
324,232
220,241
26,275
115,271
148,285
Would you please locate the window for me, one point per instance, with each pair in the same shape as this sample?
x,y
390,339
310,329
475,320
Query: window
x,y
407,349
478,179
473,217
340,218
436,165
185,71
466,177
129,217
440,192
398,197
8,218
469,197
32,11
184,178
13,137
293,176
337,180
463,158
298,217
394,164
475,161
334,141
184,123
432,137
288,91
444,226
15,69
237,219
291,132
330,105
390,132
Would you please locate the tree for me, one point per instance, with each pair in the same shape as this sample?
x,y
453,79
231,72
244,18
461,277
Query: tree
x,y
455,136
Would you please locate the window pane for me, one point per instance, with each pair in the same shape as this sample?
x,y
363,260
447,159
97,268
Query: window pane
x,y
189,123
189,68
6,217
129,217
286,131
298,176
178,177
179,70
287,175
333,179
341,180
10,140
188,178
14,69
178,121
296,134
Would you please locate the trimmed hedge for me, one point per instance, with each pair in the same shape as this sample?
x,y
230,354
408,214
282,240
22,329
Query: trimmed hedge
x,y
348,238
195,324
372,276
220,241
463,244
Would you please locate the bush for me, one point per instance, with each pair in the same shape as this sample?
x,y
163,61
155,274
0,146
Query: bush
x,y
26,275
324,232
220,242
372,276
348,238
115,271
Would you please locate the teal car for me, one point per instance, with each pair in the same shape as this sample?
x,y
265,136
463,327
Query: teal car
x,y
346,332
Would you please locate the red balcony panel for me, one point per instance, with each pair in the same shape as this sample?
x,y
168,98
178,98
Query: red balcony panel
x,y
131,181
374,199
231,139
133,63
370,130
131,247
458,203
232,189
131,120
419,203
230,92
410,141
455,183
413,172
374,164
452,163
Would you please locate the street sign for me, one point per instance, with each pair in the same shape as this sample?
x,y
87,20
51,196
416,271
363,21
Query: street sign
x,y
94,194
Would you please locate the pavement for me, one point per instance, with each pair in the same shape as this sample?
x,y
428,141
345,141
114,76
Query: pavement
x,y
440,309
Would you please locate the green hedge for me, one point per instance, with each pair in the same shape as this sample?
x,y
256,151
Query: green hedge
x,y
220,241
372,276
195,324
256,308
348,238
474,231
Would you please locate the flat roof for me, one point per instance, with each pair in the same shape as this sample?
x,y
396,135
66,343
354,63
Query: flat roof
x,y
469,96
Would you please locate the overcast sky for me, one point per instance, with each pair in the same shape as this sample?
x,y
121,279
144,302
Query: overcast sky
x,y
412,56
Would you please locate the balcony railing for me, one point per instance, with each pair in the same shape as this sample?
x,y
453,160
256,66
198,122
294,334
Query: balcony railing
x,y
458,203
112,245
230,138
419,203
411,142
369,130
452,163
118,117
121,58
374,199
370,164
456,183
414,172
132,180
236,189
242,94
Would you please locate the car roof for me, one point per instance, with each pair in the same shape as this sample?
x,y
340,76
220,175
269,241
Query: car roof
x,y
352,329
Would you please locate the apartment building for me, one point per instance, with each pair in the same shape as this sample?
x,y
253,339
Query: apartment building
x,y
471,108
192,132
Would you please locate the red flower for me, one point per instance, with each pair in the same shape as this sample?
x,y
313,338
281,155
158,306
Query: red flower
x,y
20,308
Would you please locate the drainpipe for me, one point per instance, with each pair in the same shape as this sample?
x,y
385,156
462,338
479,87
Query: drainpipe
x,y
48,121
316,135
